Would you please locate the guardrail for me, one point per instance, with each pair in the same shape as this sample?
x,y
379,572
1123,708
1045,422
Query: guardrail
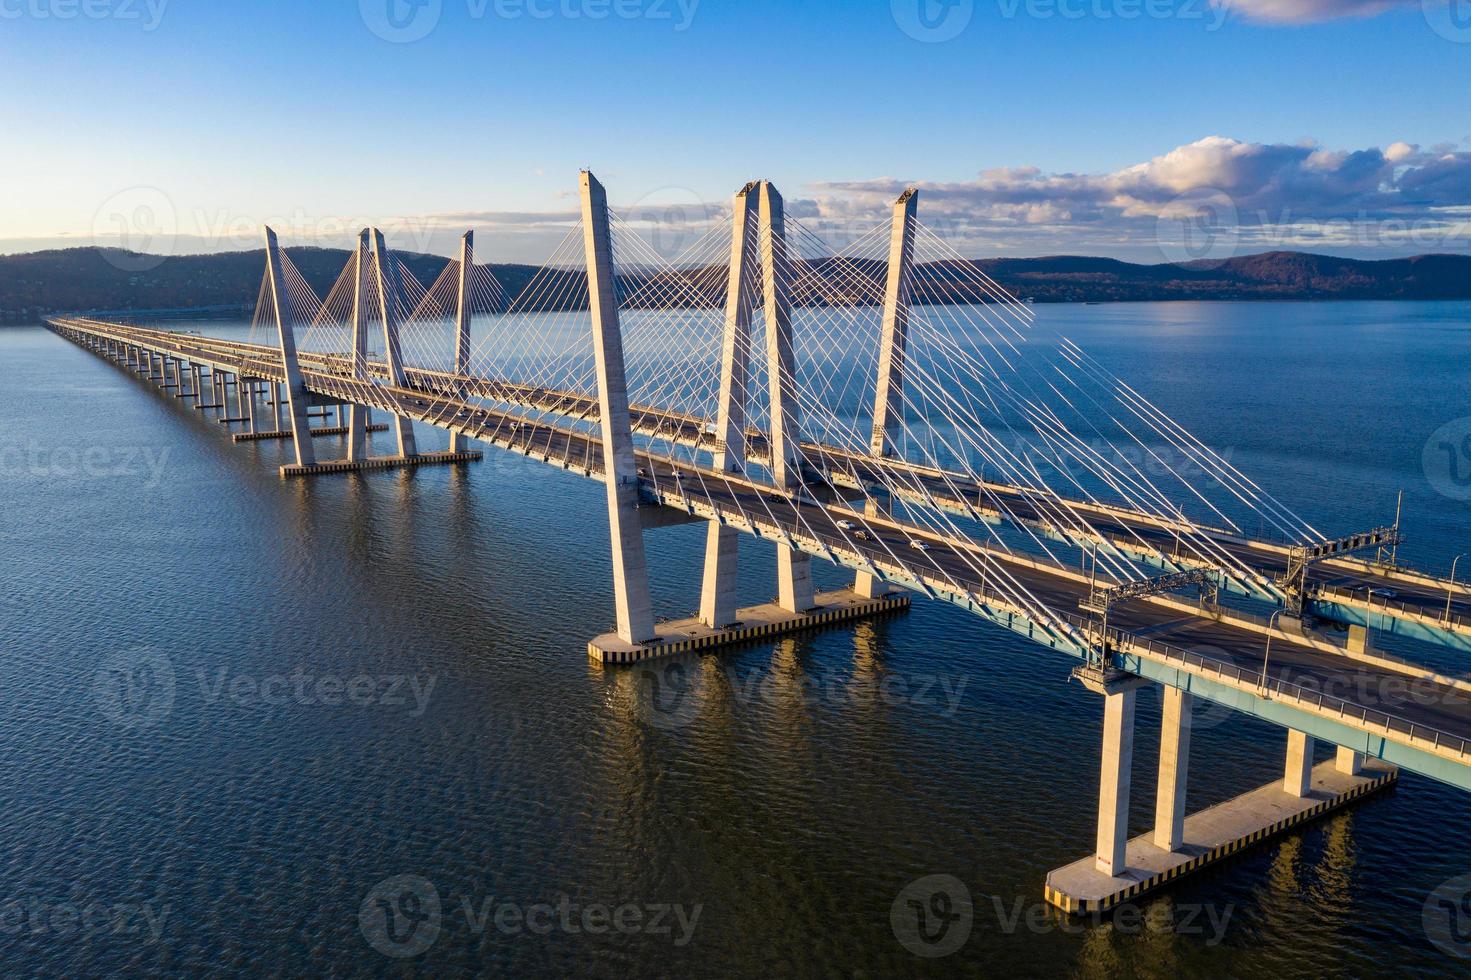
x,y
1405,612
1369,718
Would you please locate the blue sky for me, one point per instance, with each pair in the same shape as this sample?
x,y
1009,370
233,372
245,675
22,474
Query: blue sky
x,y
1041,126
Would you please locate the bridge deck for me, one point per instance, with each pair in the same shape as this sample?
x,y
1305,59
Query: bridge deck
x,y
1431,717
1354,588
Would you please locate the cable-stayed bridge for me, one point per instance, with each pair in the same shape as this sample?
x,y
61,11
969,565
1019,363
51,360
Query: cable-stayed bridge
x,y
879,407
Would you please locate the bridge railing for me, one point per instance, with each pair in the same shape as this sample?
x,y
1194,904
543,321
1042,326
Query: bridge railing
x,y
1369,718
1397,610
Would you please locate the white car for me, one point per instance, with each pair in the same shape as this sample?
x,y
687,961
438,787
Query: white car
x,y
919,546
847,525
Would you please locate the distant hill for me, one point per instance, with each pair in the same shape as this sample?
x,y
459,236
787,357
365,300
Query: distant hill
x,y
92,279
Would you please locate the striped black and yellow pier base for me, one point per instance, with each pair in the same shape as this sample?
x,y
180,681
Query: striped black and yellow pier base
x,y
1211,836
753,623
379,463
330,430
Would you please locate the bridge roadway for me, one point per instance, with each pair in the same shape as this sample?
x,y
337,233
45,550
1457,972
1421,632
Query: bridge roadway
x,y
1421,723
1346,589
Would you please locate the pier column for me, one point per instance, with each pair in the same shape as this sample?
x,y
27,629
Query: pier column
x,y
459,442
1174,769
888,407
358,415
296,393
1298,779
247,402
1350,762
793,567
242,408
722,543
620,469
276,420
1114,776
178,375
385,271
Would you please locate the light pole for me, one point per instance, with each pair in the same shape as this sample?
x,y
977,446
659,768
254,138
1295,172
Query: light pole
x,y
1449,588
1266,657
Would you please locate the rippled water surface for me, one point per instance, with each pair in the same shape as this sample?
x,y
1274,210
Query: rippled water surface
x,y
225,818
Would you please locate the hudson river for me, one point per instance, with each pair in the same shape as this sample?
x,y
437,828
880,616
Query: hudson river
x,y
352,679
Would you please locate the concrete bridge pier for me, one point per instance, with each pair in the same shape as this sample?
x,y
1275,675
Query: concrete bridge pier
x,y
1120,869
632,603
888,408
458,441
389,289
793,567
1174,768
1120,693
719,623
387,279
185,378
1297,776
722,543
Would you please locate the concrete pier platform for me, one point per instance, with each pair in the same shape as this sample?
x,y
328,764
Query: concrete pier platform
x,y
380,463
330,430
752,623
1212,835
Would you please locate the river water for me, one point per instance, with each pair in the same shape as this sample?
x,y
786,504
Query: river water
x,y
348,726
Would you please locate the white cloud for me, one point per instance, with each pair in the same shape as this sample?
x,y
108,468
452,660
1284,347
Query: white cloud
x,y
1402,199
